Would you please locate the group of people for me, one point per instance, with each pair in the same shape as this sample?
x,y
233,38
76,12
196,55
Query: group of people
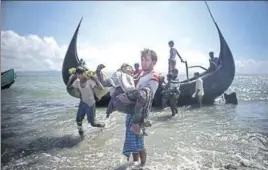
x,y
170,90
132,92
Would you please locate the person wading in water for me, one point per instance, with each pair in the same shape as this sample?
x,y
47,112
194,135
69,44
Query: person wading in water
x,y
85,84
172,91
146,86
199,89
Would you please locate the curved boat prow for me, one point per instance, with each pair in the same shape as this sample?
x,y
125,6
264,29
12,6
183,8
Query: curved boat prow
x,y
71,58
226,58
215,82
225,52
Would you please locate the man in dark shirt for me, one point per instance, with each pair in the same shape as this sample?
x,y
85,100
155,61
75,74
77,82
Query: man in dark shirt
x,y
159,100
213,61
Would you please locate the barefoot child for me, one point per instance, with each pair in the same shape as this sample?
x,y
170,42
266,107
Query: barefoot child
x,y
85,84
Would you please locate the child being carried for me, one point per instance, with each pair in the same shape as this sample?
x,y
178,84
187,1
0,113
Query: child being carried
x,y
122,82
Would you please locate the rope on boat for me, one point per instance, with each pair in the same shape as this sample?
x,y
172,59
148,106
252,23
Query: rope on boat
x,y
198,67
210,13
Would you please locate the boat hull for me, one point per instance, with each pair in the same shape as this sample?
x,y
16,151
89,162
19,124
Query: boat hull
x,y
215,82
7,78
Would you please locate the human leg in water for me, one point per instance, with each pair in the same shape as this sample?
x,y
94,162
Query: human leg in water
x,y
113,101
80,116
143,157
165,98
199,99
173,111
91,113
176,109
110,108
172,104
136,157
177,96
173,108
163,102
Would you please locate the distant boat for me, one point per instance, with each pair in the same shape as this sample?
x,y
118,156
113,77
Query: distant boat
x,y
7,78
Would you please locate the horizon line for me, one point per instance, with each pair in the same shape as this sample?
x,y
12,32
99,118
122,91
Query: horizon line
x,y
182,74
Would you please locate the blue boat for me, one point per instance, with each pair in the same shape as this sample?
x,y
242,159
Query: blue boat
x,y
7,78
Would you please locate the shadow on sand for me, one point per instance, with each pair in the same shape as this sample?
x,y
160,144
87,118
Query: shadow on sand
x,y
123,166
16,150
163,118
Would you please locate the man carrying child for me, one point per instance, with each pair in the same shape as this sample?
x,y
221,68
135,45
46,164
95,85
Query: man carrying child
x,y
136,104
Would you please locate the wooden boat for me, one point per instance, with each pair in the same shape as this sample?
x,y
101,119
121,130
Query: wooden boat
x,y
7,78
215,82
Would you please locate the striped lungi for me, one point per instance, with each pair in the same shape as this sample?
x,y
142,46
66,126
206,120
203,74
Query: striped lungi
x,y
133,143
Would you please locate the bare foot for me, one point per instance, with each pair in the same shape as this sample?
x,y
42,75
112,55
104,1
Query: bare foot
x,y
102,125
99,125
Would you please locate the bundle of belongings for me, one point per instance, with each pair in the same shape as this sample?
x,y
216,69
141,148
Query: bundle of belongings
x,y
90,74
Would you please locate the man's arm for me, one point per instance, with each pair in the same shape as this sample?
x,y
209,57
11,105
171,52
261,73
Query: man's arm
x,y
101,78
154,83
71,81
96,83
179,56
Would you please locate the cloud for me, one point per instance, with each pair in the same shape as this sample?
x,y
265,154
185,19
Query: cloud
x,y
30,52
34,53
251,66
